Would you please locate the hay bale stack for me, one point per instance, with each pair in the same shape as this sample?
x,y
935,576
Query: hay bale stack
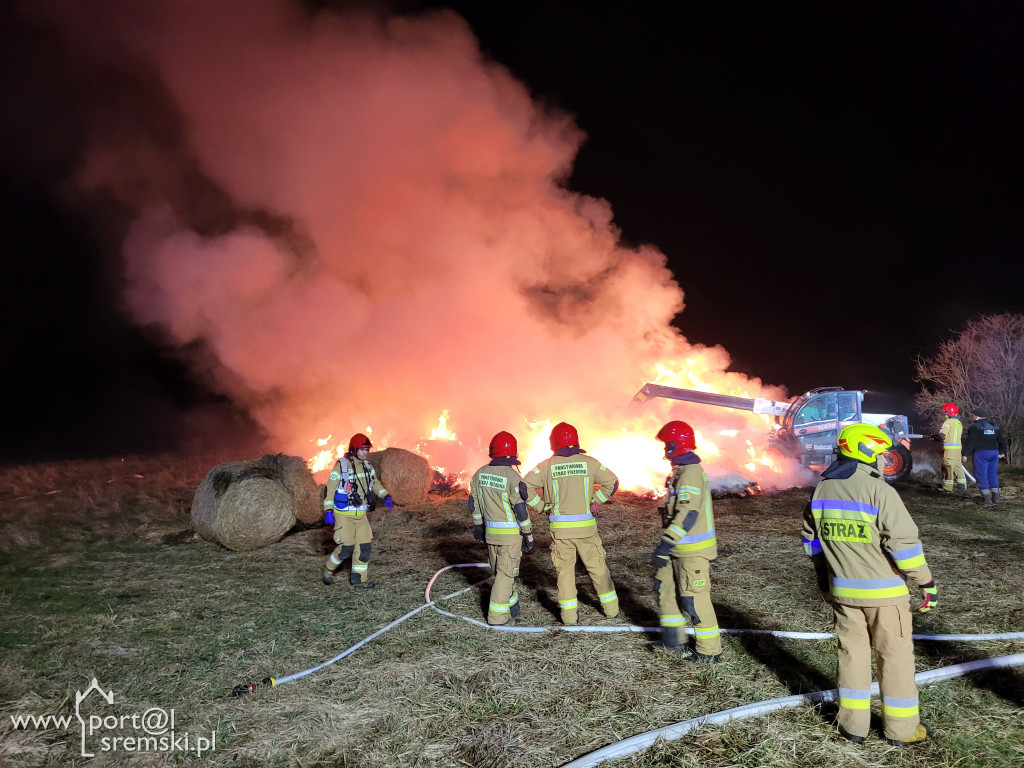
x,y
307,494
406,475
242,506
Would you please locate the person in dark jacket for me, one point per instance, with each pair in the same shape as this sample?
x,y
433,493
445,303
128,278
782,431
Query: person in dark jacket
x,y
987,445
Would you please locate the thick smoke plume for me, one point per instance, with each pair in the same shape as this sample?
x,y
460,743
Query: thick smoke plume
x,y
363,223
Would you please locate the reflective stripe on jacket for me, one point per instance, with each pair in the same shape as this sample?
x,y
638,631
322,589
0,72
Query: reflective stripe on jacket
x,y
362,481
688,490
859,526
495,492
952,432
566,486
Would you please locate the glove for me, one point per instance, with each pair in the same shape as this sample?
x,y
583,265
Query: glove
x,y
823,582
595,507
329,516
660,557
527,542
931,597
478,533
389,504
936,438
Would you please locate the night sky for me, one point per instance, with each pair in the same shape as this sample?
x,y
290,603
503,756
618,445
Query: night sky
x,y
836,188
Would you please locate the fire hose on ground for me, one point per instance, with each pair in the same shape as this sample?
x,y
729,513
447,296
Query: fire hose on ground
x,y
678,730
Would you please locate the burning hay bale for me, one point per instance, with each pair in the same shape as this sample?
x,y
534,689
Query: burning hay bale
x,y
243,505
406,475
307,495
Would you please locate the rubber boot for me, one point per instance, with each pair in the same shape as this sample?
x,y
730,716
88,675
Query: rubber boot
x,y
669,642
995,495
851,737
328,577
921,734
986,497
961,490
362,584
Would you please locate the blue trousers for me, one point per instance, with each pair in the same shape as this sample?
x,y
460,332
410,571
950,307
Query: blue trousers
x,y
985,465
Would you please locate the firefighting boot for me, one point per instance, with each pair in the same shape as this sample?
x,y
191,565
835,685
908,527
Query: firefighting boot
x,y
995,495
669,641
851,737
358,583
921,734
986,497
328,577
961,490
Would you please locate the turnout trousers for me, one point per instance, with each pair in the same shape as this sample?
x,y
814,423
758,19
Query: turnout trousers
x,y
952,469
888,629
683,588
591,552
504,560
352,534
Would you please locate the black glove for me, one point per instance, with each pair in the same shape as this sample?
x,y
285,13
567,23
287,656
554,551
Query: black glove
x,y
823,583
527,542
660,557
478,533
936,438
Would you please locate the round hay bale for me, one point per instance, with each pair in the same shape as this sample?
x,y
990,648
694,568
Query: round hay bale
x,y
307,494
242,506
406,475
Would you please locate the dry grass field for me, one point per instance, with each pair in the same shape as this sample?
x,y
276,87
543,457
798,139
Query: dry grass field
x,y
100,577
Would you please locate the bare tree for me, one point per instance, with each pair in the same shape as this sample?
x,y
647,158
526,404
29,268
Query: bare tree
x,y
980,367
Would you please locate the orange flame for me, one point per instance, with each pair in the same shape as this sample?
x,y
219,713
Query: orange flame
x,y
731,443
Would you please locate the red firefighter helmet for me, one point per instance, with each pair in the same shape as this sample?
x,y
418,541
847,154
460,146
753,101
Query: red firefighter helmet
x,y
563,436
950,409
359,440
503,444
678,438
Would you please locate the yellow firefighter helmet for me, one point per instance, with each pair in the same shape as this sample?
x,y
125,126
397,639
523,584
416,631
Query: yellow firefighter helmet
x,y
864,442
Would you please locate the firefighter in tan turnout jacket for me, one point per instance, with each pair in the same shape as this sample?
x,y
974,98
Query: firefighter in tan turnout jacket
x,y
497,501
684,554
351,486
865,547
571,486
951,434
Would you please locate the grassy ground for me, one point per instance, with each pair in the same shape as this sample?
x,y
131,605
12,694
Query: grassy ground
x,y
100,577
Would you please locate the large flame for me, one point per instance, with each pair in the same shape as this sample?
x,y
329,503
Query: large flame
x,y
731,443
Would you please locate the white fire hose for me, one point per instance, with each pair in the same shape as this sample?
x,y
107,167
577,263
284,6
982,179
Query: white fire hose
x,y
678,730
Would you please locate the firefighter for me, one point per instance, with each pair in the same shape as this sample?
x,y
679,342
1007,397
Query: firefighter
x,y
986,445
684,554
952,464
572,486
350,492
864,546
497,501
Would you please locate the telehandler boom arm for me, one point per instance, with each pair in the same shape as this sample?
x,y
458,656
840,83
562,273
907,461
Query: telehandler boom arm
x,y
755,405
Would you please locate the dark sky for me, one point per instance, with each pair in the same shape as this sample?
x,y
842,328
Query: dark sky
x,y
836,187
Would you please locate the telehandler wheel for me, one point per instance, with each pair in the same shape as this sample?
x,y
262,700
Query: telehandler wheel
x,y
898,464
